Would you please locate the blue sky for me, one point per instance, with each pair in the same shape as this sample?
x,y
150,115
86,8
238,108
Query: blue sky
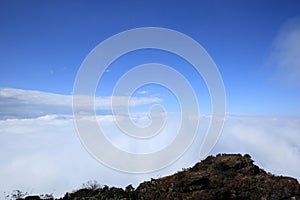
x,y
44,43
255,45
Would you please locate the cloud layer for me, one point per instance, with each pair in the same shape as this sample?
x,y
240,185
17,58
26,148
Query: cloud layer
x,y
43,154
16,103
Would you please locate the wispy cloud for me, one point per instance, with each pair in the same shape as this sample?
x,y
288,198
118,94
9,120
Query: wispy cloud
x,y
286,51
16,103
143,92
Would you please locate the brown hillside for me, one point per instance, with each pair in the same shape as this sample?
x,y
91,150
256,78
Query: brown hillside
x,y
226,176
221,177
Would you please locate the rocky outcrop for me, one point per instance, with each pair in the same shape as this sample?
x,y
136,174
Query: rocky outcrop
x,y
221,177
226,176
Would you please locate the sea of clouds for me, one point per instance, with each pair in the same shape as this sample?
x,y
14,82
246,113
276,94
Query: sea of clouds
x,y
42,153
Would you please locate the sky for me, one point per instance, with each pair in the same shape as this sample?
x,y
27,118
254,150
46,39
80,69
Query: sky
x,y
254,44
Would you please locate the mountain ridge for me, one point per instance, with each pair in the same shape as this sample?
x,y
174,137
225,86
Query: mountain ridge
x,y
224,176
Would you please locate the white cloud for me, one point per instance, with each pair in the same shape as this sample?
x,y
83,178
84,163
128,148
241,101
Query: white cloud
x,y
143,92
16,103
286,51
274,143
43,154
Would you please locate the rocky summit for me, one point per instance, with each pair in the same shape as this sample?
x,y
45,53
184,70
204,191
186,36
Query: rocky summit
x,y
221,177
225,176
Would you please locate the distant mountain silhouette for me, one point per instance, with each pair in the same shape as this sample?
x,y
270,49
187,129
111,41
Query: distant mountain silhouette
x,y
225,176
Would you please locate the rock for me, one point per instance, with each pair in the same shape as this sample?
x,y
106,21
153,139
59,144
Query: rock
x,y
225,176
